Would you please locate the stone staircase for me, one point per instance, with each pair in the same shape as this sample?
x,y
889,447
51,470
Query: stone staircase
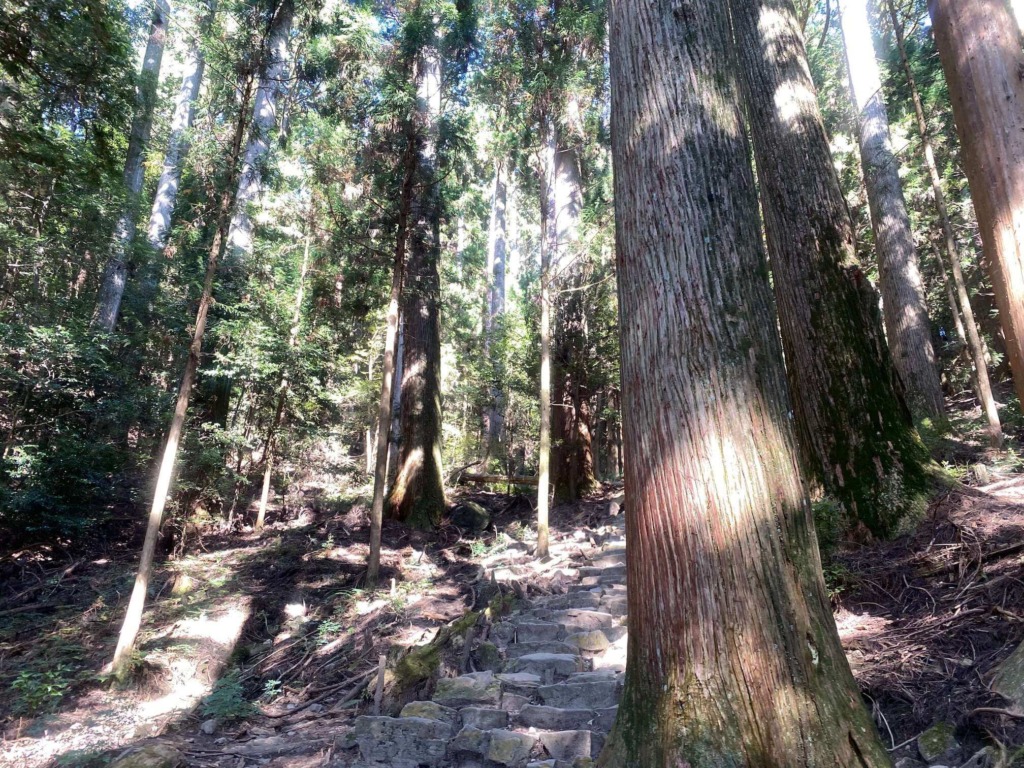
x,y
562,660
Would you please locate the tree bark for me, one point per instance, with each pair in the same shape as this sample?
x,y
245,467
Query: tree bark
x,y
903,300
856,436
133,616
417,497
734,658
177,142
981,56
115,274
982,385
392,345
273,84
548,238
494,417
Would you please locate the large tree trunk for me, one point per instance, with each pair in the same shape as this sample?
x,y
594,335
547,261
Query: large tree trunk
x,y
981,55
133,615
115,274
417,497
903,300
982,385
734,659
391,371
572,459
494,417
273,84
855,433
177,142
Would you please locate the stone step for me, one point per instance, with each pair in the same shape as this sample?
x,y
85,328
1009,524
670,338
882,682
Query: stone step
x,y
547,664
607,560
520,683
537,631
517,649
585,600
475,689
597,694
617,572
616,606
573,619
568,745
484,718
406,742
501,747
547,718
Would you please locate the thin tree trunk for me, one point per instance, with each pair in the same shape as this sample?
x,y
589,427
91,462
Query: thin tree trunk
x,y
494,417
734,658
417,497
177,142
133,616
981,55
856,436
115,274
983,386
273,84
903,300
370,453
548,245
282,396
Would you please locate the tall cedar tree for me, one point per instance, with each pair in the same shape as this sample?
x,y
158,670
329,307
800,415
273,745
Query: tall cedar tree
x,y
417,497
177,142
572,462
273,84
115,274
855,433
903,300
979,46
494,413
734,658
968,329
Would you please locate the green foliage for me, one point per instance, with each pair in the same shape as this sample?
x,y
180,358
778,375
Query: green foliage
x,y
227,699
830,523
37,692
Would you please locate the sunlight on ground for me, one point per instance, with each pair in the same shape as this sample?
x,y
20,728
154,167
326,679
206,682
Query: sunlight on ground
x,y
192,675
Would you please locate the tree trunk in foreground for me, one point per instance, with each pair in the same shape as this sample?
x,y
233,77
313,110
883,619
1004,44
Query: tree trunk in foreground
x,y
133,616
273,83
981,55
115,274
177,142
982,385
903,301
494,417
282,394
856,436
734,658
417,497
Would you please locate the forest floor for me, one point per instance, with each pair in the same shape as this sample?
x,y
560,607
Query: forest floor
x,y
253,641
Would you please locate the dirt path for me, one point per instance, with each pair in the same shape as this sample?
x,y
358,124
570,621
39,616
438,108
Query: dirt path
x,y
285,620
